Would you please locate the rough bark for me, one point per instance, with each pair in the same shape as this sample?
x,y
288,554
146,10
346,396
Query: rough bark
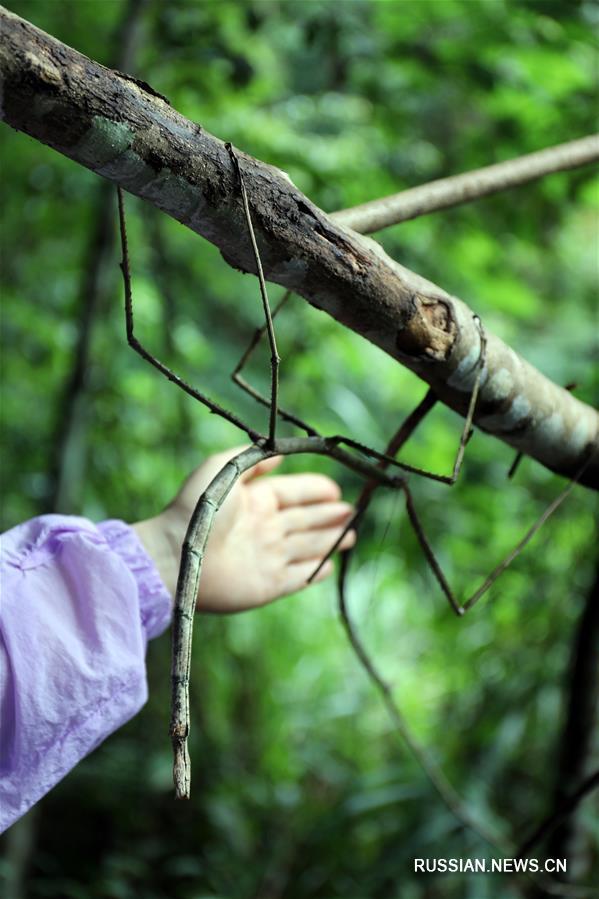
x,y
122,129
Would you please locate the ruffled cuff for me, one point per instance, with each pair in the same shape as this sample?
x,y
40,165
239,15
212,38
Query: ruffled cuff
x,y
155,601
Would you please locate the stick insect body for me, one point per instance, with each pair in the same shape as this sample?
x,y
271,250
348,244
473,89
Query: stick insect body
x,y
373,465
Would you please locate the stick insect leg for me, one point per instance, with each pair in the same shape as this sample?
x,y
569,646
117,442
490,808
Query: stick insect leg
x,y
499,569
139,348
386,456
461,609
428,552
434,773
259,334
237,378
401,436
465,435
251,390
274,355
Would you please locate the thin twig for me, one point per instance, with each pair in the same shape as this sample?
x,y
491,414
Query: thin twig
x,y
457,189
274,355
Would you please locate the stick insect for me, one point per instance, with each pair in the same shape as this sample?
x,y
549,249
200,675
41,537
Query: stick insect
x,y
371,464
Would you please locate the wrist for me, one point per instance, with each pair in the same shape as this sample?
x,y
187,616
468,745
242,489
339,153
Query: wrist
x,y
162,541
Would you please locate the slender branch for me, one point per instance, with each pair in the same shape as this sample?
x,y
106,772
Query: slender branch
x,y
457,189
574,749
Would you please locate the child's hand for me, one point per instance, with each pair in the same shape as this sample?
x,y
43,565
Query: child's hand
x,y
267,538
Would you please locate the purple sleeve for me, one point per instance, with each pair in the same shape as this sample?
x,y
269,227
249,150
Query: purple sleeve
x,y
79,603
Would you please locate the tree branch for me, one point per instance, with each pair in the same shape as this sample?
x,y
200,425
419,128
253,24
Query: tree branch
x,y
575,749
445,192
557,816
123,130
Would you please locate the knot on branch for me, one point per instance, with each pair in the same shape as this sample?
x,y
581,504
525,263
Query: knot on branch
x,y
430,331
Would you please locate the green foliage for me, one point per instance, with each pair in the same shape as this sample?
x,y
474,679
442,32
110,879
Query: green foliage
x,y
300,787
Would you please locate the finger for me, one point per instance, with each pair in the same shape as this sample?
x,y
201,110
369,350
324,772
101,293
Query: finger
x,y
261,468
213,464
296,576
314,516
315,545
301,489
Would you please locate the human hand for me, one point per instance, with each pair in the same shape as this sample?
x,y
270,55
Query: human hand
x,y
267,538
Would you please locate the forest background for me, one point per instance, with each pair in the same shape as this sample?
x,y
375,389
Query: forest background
x,y
300,786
